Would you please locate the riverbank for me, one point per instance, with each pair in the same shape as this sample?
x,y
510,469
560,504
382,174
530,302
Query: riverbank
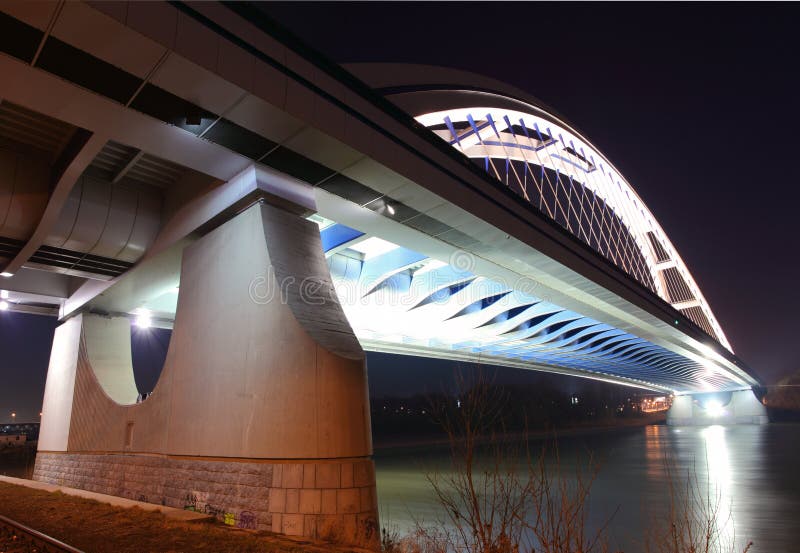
x,y
18,461
100,528
381,443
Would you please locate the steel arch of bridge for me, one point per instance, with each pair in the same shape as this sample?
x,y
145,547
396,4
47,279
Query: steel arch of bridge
x,y
569,180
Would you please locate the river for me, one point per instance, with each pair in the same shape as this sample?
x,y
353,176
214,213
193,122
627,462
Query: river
x,y
750,471
753,470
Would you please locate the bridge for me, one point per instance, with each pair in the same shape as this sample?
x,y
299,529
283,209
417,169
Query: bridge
x,y
195,167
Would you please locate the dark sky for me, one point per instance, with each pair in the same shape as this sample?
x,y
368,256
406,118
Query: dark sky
x,y
24,354
696,104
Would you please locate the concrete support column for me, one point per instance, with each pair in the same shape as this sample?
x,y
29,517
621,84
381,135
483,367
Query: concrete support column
x,y
739,407
261,413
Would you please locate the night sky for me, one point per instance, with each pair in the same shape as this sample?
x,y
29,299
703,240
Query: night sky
x,y
694,103
24,353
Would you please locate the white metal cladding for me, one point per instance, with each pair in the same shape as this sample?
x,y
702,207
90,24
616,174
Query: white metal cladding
x,y
569,180
24,190
115,220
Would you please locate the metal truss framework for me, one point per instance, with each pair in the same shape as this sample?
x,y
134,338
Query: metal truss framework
x,y
559,172
398,300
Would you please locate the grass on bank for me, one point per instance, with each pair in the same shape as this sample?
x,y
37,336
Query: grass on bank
x,y
96,527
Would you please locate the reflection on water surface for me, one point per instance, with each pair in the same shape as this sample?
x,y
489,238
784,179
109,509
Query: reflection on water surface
x,y
751,470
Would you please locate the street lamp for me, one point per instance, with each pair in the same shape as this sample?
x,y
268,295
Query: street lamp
x,y
13,417
143,319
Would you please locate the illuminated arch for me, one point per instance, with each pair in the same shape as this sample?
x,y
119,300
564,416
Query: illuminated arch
x,y
561,173
548,162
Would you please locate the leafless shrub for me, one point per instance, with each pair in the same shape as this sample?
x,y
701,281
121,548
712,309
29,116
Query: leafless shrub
x,y
696,522
560,509
498,496
390,540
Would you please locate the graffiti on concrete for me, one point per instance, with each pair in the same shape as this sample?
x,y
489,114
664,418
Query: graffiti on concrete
x,y
198,502
132,495
212,510
190,502
247,520
370,527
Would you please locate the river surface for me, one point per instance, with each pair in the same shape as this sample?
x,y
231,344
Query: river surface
x,y
751,472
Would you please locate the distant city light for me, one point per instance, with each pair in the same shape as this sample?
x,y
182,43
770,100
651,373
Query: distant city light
x,y
3,305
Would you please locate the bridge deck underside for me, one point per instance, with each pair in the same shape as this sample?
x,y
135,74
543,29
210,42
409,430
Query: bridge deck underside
x,y
401,301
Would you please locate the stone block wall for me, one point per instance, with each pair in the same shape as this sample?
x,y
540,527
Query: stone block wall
x,y
331,500
327,500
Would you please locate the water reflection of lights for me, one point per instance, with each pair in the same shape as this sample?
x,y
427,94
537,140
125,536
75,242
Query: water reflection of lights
x,y
719,480
654,435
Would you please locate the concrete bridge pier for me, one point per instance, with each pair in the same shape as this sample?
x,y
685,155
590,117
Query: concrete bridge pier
x,y
738,407
261,414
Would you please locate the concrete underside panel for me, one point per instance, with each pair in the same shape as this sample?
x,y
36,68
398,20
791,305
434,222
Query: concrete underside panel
x,y
262,371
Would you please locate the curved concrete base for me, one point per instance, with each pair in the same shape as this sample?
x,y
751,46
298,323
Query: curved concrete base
x,y
261,414
740,407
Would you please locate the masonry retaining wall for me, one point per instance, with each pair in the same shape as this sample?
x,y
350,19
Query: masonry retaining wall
x,y
320,499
